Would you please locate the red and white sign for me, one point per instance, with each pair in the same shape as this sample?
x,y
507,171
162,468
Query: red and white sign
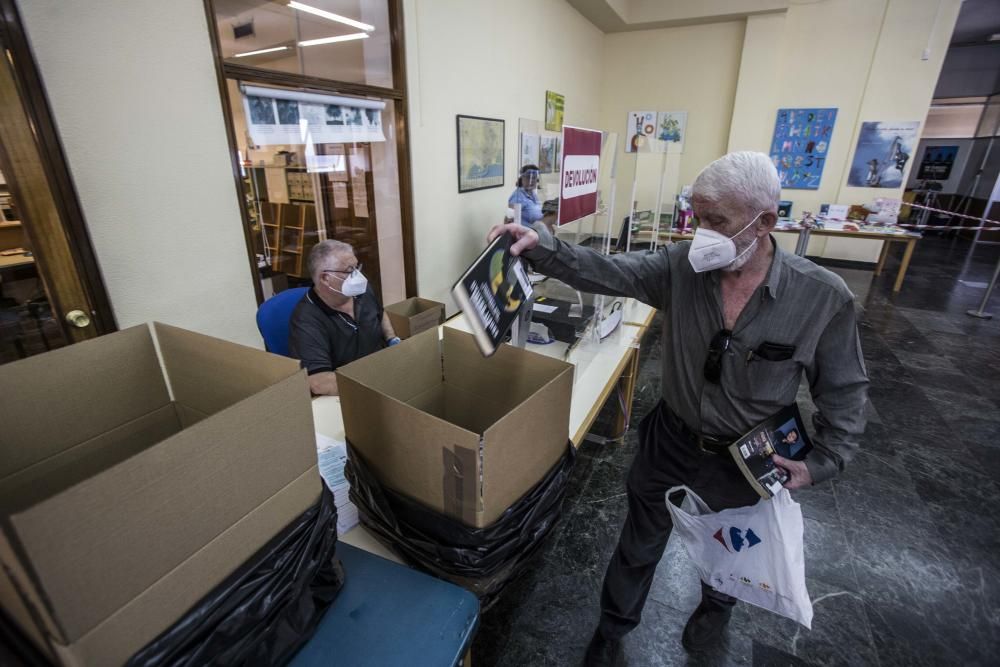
x,y
581,161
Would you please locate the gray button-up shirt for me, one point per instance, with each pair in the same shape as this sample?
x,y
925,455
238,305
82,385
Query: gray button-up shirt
x,y
799,304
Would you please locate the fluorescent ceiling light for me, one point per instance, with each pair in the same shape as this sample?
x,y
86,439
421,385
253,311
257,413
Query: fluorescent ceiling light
x,y
257,53
331,40
330,15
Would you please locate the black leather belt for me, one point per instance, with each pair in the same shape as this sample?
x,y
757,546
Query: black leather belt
x,y
707,443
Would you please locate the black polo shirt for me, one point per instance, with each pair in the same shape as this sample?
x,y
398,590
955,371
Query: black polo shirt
x,y
324,339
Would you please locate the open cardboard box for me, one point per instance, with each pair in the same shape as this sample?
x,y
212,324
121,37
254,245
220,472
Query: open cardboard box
x,y
137,471
462,434
414,315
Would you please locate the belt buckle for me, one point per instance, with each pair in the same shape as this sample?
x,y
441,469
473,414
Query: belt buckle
x,y
702,447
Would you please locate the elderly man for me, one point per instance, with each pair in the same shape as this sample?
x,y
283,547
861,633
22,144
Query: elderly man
x,y
742,320
339,319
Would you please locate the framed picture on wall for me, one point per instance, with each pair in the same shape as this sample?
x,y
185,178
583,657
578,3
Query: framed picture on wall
x,y
555,105
480,152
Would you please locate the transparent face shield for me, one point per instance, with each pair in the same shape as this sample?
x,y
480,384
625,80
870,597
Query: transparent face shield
x,y
529,179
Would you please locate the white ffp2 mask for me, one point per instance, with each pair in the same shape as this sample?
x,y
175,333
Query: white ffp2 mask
x,y
711,250
354,285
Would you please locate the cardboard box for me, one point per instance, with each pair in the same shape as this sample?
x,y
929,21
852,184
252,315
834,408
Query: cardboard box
x,y
462,434
414,315
137,471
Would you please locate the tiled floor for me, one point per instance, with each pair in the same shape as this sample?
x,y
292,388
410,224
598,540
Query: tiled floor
x,y
902,550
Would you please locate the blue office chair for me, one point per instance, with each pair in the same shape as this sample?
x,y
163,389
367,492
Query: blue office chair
x,y
273,317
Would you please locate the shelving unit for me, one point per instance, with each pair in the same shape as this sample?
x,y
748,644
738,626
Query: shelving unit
x,y
290,231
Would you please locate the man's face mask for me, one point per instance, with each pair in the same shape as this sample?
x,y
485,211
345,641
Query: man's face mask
x,y
354,285
529,179
711,250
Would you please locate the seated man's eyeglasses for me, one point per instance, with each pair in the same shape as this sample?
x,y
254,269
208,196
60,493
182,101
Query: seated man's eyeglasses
x,y
344,271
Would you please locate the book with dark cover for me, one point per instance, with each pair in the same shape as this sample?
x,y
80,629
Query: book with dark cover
x,y
492,292
782,434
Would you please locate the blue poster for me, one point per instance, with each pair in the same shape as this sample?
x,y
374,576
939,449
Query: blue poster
x,y
882,153
800,145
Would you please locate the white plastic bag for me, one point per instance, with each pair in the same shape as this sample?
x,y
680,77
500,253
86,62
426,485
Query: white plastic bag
x,y
755,553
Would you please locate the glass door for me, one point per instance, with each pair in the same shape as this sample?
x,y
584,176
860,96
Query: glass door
x,y
50,291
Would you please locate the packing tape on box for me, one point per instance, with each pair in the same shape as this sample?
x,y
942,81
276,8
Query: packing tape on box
x,y
458,479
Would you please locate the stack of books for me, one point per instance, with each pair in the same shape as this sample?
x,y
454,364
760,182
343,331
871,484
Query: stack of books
x,y
332,459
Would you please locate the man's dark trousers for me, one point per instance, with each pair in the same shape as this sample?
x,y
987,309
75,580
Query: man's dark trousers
x,y
669,455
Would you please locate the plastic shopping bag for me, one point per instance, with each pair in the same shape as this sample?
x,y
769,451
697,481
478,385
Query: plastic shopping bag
x,y
754,553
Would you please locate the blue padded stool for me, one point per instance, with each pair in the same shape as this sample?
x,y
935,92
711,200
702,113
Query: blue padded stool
x,y
388,614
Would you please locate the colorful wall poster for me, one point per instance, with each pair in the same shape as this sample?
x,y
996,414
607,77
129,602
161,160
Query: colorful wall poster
x,y
529,149
547,155
937,163
640,131
554,106
882,153
581,164
671,127
800,146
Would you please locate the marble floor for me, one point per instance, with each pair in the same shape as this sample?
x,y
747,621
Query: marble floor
x,y
902,550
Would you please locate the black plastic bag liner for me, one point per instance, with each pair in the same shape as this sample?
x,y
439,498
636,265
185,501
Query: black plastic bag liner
x,y
268,608
482,560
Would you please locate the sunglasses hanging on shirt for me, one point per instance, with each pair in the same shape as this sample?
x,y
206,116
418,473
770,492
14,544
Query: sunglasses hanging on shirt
x,y
716,350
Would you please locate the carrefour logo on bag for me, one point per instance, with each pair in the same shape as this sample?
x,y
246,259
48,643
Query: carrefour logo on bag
x,y
735,539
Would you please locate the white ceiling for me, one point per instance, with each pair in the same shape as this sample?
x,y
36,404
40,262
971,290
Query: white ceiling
x,y
626,15
276,24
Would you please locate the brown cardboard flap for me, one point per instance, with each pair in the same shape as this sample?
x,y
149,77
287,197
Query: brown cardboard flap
x,y
209,374
510,375
54,401
143,618
72,466
404,446
521,447
137,520
402,371
188,416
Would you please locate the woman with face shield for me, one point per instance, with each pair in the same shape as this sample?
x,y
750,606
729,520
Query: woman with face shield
x,y
526,196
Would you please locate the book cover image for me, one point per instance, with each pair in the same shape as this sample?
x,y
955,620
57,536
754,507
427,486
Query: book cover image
x,y
782,434
492,293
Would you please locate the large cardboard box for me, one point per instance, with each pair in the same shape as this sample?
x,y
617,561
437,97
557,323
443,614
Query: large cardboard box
x,y
137,471
414,315
462,434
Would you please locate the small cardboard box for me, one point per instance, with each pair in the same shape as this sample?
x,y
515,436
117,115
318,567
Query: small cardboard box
x,y
414,315
462,434
137,471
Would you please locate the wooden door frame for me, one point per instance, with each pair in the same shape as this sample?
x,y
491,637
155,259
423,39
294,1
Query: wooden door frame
x,y
40,181
398,93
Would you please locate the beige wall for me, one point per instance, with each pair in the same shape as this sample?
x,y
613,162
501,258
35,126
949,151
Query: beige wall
x,y
133,90
484,59
693,69
865,61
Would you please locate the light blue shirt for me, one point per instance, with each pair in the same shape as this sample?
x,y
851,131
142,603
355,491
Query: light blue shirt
x,y
531,209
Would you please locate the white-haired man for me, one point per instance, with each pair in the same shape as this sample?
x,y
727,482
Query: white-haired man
x,y
339,319
742,320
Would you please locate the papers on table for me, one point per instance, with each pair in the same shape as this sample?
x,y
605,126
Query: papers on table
x,y
332,459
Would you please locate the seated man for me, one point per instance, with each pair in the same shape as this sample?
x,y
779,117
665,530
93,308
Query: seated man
x,y
338,320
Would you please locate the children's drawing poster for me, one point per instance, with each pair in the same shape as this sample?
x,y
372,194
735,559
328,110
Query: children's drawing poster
x,y
800,146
